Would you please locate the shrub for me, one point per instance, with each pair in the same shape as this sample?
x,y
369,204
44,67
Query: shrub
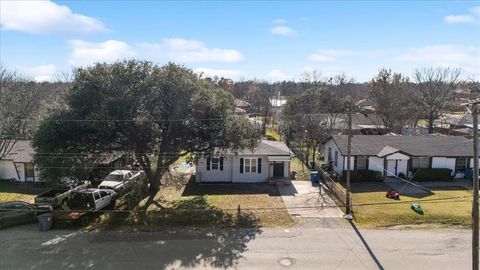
x,y
427,174
363,175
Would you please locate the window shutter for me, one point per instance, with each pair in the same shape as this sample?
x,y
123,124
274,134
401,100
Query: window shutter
x,y
221,164
259,165
208,163
241,165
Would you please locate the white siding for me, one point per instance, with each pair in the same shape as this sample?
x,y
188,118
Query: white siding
x,y
231,171
7,170
352,163
333,146
375,164
250,177
398,156
471,163
443,162
202,175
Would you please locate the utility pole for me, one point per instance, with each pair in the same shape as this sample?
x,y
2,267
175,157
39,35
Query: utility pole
x,y
348,209
475,224
472,107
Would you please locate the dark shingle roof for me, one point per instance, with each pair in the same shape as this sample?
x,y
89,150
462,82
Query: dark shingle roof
x,y
266,148
440,146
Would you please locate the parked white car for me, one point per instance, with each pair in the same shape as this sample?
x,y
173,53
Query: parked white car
x,y
119,180
92,199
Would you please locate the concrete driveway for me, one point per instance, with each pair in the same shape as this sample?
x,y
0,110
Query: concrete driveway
x,y
305,200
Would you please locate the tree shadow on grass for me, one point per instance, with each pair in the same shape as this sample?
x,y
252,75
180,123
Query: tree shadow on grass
x,y
192,189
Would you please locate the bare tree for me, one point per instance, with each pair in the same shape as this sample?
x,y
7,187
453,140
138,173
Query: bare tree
x,y
435,91
19,102
312,78
310,118
391,92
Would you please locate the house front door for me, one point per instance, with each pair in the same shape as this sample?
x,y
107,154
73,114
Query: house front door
x,y
391,167
278,168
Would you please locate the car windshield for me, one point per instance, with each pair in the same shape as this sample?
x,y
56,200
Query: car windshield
x,y
114,177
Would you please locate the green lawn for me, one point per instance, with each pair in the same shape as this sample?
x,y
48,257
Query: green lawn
x,y
19,192
445,207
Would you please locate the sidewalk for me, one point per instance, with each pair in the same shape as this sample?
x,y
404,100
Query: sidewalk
x,y
304,200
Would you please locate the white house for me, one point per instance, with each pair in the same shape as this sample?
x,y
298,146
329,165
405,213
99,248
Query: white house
x,y
18,164
394,155
269,161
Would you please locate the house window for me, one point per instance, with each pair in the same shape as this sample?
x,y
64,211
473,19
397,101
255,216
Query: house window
x,y
250,165
215,164
361,162
336,158
29,172
461,164
329,154
420,162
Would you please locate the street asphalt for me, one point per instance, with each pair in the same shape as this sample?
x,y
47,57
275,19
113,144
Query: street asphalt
x,y
325,243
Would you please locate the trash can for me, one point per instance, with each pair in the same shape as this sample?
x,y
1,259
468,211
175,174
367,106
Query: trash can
x,y
45,222
314,176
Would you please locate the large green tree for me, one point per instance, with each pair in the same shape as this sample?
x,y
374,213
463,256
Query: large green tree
x,y
159,113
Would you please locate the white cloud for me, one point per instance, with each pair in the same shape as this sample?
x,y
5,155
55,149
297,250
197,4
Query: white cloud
x,y
84,53
452,19
189,51
457,56
475,10
279,21
45,17
226,73
329,55
40,73
276,75
174,49
283,31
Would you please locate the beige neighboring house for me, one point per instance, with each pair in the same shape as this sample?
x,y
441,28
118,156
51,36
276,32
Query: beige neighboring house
x,y
18,164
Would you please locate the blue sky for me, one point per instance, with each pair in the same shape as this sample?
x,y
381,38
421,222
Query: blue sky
x,y
243,40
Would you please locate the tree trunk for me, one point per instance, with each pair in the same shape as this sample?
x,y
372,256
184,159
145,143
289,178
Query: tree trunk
x,y
431,119
313,156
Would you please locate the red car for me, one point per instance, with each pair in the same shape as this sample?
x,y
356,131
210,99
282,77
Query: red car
x,y
392,194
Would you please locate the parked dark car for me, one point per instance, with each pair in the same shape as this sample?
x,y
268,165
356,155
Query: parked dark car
x,y
18,212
